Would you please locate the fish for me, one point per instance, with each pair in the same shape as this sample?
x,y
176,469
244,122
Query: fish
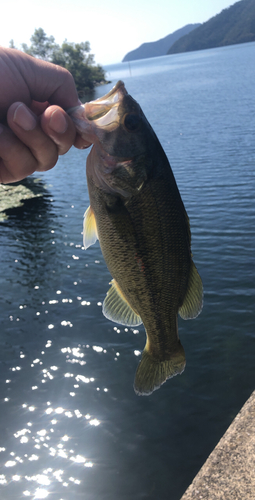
x,y
137,214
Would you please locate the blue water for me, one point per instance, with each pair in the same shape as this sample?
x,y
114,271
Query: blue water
x,y
71,426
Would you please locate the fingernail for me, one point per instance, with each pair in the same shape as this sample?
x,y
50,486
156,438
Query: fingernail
x,y
58,122
86,145
24,118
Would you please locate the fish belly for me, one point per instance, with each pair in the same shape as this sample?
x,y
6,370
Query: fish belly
x,y
145,244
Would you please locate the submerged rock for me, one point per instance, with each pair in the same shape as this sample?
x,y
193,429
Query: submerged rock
x,y
14,195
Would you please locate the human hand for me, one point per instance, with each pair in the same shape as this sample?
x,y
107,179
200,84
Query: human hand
x,y
34,128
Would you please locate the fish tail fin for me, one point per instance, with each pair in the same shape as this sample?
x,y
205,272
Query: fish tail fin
x,y
152,373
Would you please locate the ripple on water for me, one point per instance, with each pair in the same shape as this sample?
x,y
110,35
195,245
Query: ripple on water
x,y
47,443
71,424
54,444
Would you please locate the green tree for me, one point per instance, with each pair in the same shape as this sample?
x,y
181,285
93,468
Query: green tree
x,y
75,57
42,46
11,44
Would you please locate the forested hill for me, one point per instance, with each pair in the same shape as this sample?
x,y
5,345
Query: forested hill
x,y
236,24
160,47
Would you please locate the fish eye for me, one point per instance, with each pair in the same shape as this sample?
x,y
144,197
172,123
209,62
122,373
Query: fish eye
x,y
132,122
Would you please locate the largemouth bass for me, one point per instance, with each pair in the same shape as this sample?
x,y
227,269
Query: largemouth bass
x,y
137,214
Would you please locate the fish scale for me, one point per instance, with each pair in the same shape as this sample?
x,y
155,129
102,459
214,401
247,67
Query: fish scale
x,y
137,214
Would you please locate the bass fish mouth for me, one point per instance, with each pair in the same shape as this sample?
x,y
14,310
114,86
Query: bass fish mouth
x,y
104,110
103,113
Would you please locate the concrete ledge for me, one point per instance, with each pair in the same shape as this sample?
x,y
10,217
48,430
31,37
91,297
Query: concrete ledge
x,y
229,471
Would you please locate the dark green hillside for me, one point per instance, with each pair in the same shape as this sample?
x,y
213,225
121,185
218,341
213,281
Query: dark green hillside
x,y
233,25
160,47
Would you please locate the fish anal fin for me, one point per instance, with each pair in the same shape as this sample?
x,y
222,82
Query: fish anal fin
x,y
152,373
117,309
90,235
193,300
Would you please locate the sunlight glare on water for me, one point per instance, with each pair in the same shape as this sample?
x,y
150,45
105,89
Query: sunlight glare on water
x,y
44,438
71,426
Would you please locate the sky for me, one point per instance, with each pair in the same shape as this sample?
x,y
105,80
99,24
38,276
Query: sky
x,y
113,27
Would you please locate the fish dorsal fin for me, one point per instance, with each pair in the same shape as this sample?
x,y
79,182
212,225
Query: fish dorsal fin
x,y
193,301
90,235
117,309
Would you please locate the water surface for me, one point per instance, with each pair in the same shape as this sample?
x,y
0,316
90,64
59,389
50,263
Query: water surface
x,y
71,426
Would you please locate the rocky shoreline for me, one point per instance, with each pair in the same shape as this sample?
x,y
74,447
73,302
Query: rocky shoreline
x,y
15,195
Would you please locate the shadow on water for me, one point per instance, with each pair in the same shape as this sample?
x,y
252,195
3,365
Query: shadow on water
x,y
27,232
29,255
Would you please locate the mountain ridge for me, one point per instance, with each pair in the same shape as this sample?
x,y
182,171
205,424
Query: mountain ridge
x,y
159,47
233,25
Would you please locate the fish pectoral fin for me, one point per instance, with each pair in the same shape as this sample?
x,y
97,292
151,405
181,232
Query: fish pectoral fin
x,y
117,309
193,300
90,235
152,373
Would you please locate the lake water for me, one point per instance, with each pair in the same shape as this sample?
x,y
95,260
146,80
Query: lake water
x,y
71,426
